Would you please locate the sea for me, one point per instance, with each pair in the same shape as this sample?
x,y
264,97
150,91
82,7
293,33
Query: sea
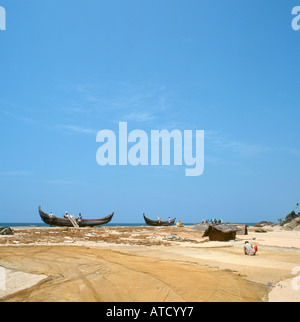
x,y
107,225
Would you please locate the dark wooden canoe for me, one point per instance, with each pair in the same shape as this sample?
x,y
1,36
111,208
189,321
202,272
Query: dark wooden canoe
x,y
64,222
158,223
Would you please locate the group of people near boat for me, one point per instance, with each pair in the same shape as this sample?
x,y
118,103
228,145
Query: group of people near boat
x,y
212,221
67,216
159,219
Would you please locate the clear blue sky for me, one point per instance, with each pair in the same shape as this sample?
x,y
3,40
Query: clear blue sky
x,y
69,69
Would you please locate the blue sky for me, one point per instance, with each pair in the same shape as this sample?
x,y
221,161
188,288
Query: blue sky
x,y
69,69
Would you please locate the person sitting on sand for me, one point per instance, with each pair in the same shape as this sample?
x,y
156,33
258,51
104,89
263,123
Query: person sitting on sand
x,y
249,249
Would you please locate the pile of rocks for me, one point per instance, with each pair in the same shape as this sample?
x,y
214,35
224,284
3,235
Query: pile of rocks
x,y
264,223
180,224
6,231
263,227
292,222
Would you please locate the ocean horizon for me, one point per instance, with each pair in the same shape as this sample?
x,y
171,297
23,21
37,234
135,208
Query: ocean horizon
x,y
107,225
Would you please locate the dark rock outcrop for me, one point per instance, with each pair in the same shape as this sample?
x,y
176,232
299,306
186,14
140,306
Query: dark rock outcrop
x,y
221,232
6,231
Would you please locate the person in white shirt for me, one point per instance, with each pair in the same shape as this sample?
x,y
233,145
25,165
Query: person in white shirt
x,y
249,249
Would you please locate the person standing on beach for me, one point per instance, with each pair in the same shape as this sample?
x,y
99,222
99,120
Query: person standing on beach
x,y
249,249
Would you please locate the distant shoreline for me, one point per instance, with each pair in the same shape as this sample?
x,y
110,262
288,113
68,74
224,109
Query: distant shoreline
x,y
107,225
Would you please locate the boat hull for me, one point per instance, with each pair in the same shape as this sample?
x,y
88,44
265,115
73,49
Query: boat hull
x,y
64,222
158,223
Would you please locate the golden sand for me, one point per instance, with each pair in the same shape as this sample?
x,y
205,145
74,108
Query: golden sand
x,y
142,264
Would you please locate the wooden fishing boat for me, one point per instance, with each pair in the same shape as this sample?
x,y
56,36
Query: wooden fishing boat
x,y
158,223
65,222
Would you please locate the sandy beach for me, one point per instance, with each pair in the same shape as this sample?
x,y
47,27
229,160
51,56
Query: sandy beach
x,y
161,264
